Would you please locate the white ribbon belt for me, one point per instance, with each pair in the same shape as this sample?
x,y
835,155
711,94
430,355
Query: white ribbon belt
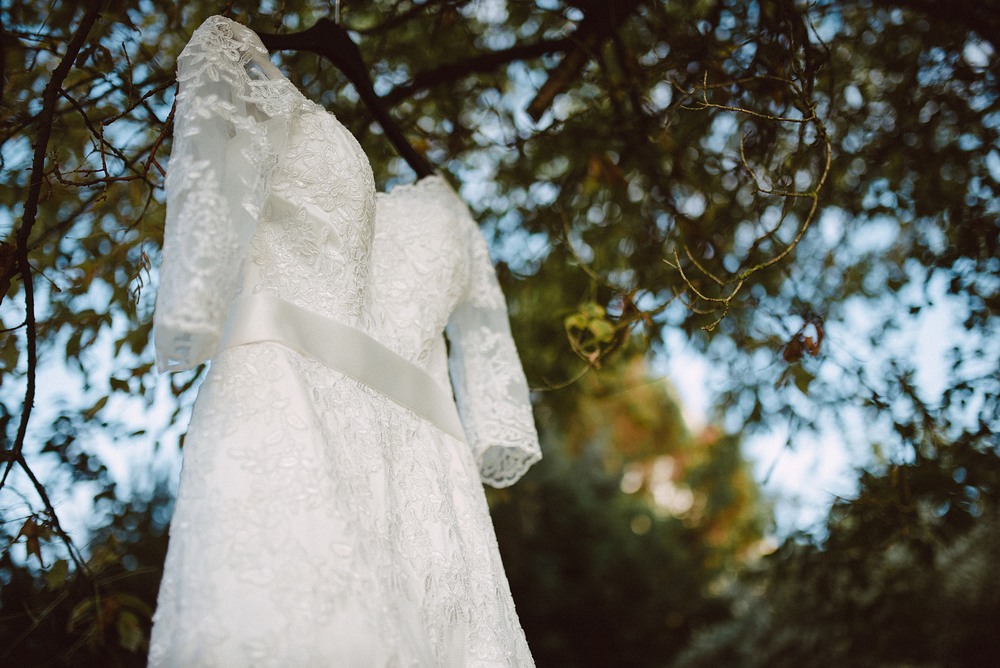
x,y
260,318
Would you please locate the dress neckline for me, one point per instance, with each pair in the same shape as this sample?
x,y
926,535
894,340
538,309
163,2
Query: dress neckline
x,y
274,75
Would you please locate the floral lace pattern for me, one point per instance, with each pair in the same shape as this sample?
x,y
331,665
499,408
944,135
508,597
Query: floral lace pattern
x,y
319,523
313,244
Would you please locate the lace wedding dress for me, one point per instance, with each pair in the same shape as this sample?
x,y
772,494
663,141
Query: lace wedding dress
x,y
330,509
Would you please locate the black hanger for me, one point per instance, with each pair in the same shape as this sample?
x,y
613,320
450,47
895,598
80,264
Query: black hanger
x,y
332,41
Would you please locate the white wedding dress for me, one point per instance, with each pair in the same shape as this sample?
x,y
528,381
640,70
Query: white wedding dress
x,y
330,509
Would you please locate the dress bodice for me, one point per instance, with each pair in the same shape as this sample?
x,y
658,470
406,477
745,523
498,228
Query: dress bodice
x,y
392,264
313,241
420,266
269,196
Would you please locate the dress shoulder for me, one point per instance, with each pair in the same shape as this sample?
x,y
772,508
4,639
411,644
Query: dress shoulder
x,y
229,131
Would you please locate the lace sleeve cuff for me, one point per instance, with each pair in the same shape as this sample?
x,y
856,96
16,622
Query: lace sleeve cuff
x,y
489,383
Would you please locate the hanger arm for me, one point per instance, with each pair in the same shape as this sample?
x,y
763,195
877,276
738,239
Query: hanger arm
x,y
332,41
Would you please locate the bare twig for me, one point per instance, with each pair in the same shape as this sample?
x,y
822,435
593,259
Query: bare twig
x,y
735,281
703,104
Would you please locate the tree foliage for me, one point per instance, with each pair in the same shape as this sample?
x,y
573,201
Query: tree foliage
x,y
796,186
905,576
624,539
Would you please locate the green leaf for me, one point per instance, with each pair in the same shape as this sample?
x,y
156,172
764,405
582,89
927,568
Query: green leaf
x,y
81,612
55,577
95,409
602,330
802,379
576,321
130,633
592,310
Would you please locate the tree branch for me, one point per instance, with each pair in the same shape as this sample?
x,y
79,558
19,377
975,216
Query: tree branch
x,y
601,20
45,121
3,63
486,62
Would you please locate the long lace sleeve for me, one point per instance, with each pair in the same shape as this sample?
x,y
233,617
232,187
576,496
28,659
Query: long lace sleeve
x,y
228,131
490,388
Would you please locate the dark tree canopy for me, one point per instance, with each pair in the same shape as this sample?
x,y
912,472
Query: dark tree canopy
x,y
796,186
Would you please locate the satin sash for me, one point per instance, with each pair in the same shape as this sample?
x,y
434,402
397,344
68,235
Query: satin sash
x,y
260,318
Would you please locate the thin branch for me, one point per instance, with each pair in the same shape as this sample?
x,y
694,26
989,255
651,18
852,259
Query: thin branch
x,y
36,620
694,260
487,62
705,104
61,226
814,196
98,133
128,109
3,62
722,300
49,100
551,387
739,278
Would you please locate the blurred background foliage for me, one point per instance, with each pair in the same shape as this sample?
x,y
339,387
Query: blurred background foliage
x,y
791,185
